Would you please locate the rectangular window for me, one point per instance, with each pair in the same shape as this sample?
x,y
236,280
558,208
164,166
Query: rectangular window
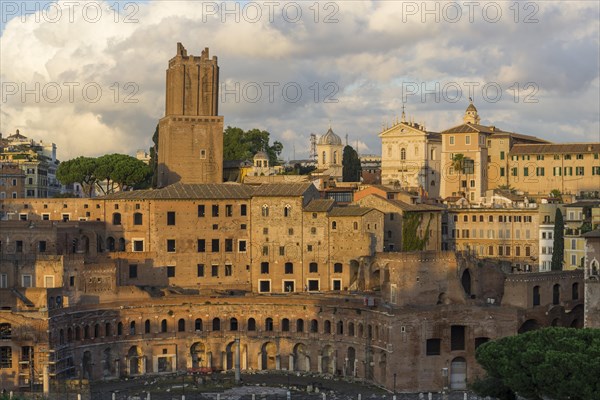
x,y
241,246
3,281
171,245
228,269
215,245
214,270
200,270
579,171
313,285
539,171
201,211
467,139
513,171
264,286
557,171
567,157
48,281
525,171
228,245
337,284
265,250
568,171
42,246
288,286
201,245
228,210
170,217
595,170
243,210
313,267
133,271
282,250
433,347
138,245
502,172
457,337
215,210
288,268
19,246
540,157
451,140
264,267
337,268
502,155
26,281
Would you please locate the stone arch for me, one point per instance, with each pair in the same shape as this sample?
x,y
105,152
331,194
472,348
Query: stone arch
x,y
314,326
135,361
556,294
268,356
251,324
529,325
85,244
466,281
121,244
350,328
351,362
86,365
328,360
107,362
301,358
458,373
229,356
198,324
111,244
198,355
300,325
181,325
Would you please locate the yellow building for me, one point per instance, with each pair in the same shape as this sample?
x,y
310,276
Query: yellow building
x,y
410,157
493,158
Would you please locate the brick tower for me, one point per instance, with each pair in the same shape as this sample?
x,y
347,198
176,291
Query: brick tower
x,y
190,141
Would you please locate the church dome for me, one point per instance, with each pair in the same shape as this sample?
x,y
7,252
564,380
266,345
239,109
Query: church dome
x,y
330,138
261,155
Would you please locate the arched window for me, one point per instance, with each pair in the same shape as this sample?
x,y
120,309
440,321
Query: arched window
x,y
324,159
233,324
86,332
432,154
314,326
147,326
575,291
121,244
556,294
251,324
96,331
285,325
355,225
300,325
69,335
110,243
351,329
61,337
287,211
340,328
119,329
116,218
432,183
536,295
335,157
334,225
163,326
269,324
265,210
107,329
132,328
216,324
327,327
198,324
181,325
77,333
138,219
403,154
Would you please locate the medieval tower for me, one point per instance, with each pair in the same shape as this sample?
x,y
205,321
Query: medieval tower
x,y
190,144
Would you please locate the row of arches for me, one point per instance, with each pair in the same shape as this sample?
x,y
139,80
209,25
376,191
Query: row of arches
x,y
107,329
556,294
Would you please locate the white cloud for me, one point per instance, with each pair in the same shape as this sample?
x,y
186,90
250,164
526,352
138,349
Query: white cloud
x,y
366,56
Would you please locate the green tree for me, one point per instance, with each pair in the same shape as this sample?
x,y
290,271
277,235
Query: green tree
x,y
106,173
80,170
154,159
556,363
458,163
559,242
351,168
243,145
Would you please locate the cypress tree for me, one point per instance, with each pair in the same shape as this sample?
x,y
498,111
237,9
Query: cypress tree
x,y
559,243
351,168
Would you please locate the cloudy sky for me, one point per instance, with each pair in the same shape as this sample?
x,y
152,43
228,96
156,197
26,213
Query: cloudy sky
x,y
89,76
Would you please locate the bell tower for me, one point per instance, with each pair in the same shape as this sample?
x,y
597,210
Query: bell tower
x,y
190,135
